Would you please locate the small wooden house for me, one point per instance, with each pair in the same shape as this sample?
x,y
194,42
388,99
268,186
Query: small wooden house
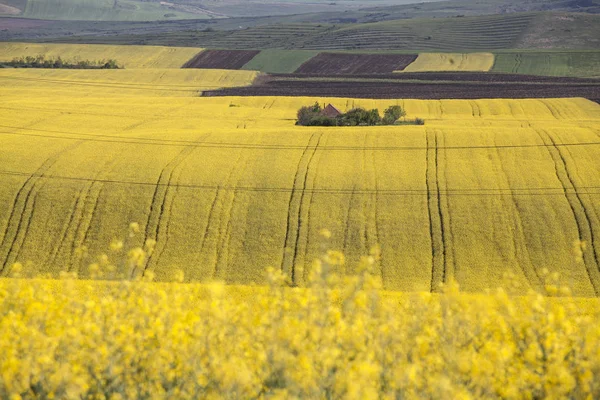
x,y
331,112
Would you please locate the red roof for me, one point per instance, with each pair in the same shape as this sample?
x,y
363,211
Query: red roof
x,y
331,112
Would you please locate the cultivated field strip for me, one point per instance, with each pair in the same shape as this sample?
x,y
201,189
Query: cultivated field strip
x,y
553,63
228,186
127,82
131,57
221,59
427,62
351,64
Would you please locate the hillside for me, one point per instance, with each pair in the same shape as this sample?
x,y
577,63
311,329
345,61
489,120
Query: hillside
x,y
465,34
100,10
245,11
151,10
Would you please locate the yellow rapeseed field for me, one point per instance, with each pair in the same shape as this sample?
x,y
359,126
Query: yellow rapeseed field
x,y
451,62
126,56
141,83
228,186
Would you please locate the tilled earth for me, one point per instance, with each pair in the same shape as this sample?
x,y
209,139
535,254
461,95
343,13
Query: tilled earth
x,y
420,86
221,59
351,64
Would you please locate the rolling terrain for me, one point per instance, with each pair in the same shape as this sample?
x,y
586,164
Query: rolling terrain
x,y
548,30
104,10
173,224
229,185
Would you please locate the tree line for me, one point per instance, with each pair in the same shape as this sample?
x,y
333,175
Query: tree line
x,y
43,62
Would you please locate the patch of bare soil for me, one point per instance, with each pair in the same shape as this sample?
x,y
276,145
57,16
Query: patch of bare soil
x,y
221,59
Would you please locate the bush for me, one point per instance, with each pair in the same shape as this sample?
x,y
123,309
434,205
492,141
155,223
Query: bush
x,y
392,114
360,117
419,121
322,120
307,114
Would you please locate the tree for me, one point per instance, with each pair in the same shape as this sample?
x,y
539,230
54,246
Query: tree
x,y
306,114
393,114
360,116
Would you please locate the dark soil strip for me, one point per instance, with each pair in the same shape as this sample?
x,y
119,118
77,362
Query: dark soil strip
x,y
410,90
221,59
352,64
445,76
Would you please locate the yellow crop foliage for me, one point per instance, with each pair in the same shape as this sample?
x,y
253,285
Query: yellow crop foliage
x,y
126,56
426,62
230,185
118,82
337,337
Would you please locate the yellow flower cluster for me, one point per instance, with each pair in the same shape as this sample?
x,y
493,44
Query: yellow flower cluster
x,y
336,337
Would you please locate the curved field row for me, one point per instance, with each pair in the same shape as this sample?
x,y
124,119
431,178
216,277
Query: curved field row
x,y
126,56
467,62
229,186
126,82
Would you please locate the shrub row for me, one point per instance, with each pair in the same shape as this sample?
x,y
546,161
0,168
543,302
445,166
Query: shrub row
x,y
43,62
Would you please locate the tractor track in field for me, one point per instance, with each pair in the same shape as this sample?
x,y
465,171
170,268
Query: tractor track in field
x,y
348,215
450,266
300,254
588,218
21,204
222,250
216,217
80,235
76,217
312,192
372,228
156,215
434,211
83,229
77,203
580,213
296,197
593,210
521,251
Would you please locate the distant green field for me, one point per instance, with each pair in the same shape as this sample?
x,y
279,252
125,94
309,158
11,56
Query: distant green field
x,y
582,64
102,10
279,61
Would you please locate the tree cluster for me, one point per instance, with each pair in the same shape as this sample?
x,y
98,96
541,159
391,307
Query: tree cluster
x,y
43,62
314,116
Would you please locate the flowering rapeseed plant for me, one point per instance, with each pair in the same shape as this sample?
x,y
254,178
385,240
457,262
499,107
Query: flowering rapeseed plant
x,y
336,337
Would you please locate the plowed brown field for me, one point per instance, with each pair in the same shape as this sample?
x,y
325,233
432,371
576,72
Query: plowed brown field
x,y
412,90
351,64
221,59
